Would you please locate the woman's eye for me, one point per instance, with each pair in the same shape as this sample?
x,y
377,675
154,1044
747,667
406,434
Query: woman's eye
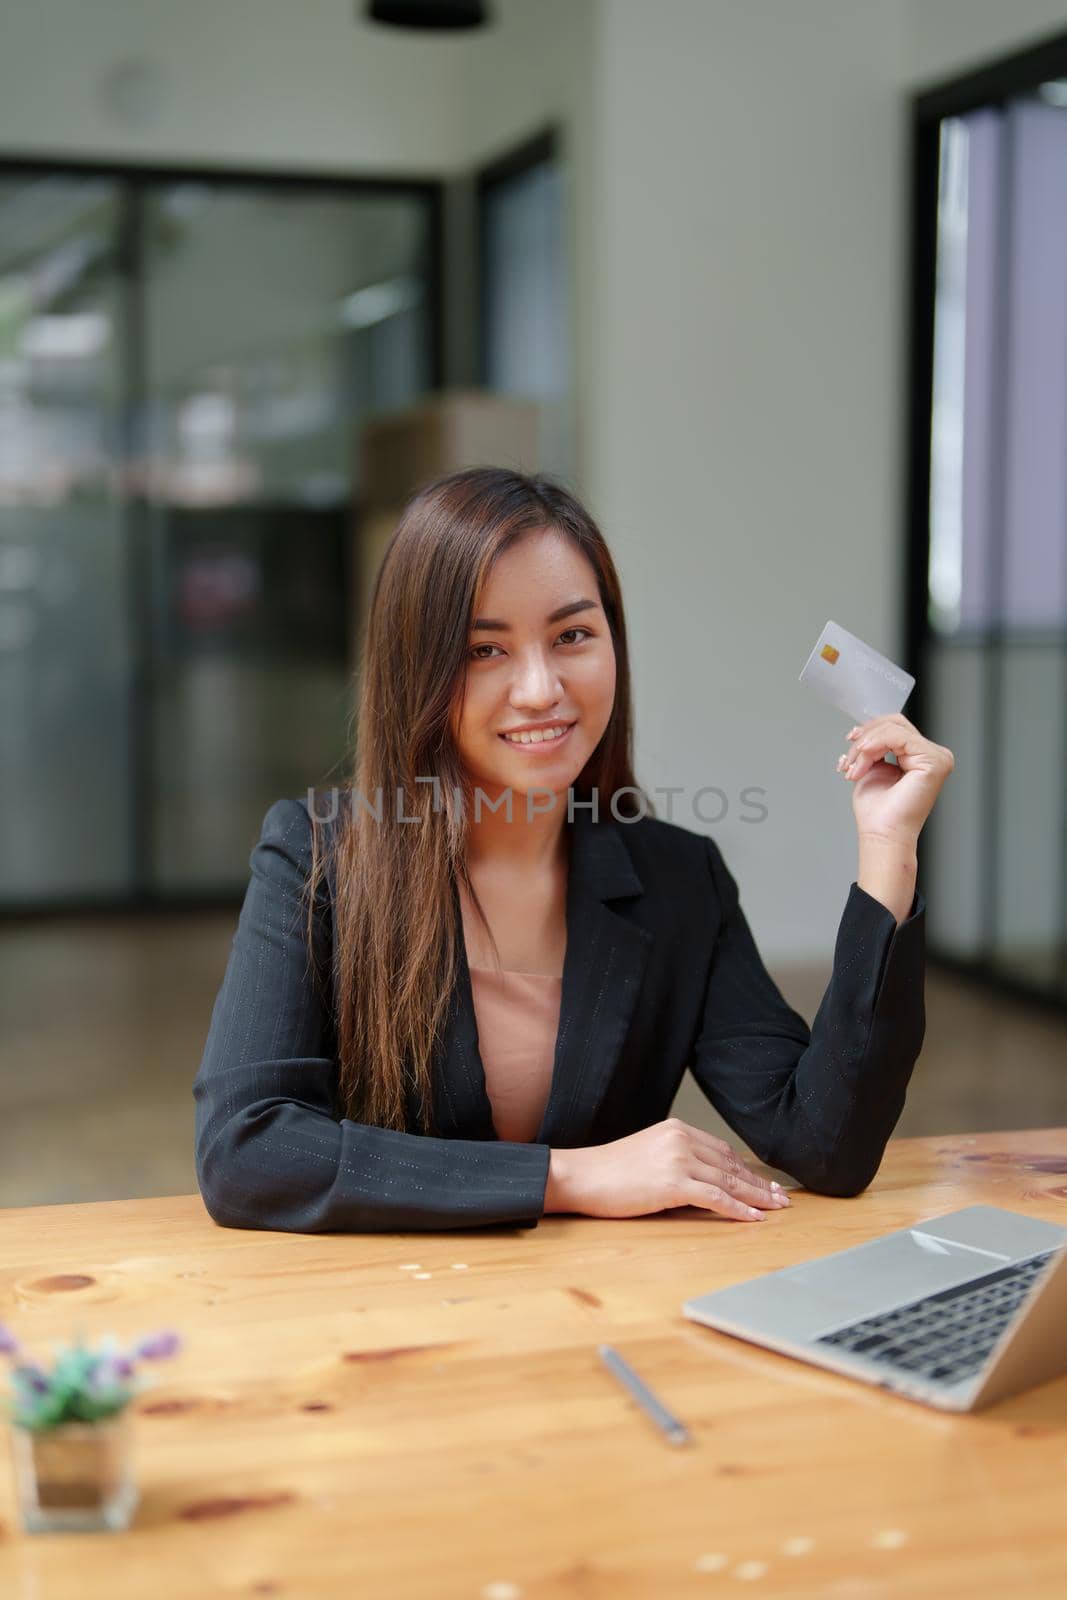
x,y
474,656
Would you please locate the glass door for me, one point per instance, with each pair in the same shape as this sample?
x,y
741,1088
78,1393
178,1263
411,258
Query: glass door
x,y
276,322
185,368
65,646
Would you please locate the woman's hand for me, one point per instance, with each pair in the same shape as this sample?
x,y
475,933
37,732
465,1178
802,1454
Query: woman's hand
x,y
669,1164
890,802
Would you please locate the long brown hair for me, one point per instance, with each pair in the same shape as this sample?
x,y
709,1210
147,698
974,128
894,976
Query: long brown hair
x,y
396,928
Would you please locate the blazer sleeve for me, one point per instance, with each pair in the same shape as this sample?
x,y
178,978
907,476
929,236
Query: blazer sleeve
x,y
819,1104
271,1151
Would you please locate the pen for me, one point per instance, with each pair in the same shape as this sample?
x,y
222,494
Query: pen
x,y
675,1431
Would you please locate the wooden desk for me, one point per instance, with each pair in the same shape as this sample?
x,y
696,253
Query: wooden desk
x,y
340,1426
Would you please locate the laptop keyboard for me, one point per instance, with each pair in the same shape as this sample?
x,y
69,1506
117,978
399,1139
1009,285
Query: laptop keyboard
x,y
946,1336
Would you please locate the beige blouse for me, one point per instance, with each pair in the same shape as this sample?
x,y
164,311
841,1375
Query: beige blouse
x,y
518,1019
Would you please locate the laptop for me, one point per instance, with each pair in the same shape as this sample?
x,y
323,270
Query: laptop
x,y
958,1311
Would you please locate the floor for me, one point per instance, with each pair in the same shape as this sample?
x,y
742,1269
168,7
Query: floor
x,y
104,1022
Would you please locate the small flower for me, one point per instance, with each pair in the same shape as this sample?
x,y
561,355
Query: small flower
x,y
110,1371
9,1345
157,1346
33,1377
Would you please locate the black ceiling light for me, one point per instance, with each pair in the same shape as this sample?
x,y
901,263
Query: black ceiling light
x,y
435,15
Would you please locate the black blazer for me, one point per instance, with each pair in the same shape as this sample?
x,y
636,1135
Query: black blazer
x,y
661,973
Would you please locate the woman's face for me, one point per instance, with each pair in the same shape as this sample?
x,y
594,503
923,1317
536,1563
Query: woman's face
x,y
527,666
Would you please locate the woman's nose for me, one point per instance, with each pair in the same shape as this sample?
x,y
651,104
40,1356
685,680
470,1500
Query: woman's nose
x,y
536,683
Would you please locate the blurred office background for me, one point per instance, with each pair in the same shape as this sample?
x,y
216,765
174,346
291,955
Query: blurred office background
x,y
779,288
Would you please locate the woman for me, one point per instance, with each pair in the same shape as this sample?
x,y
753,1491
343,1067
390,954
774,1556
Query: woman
x,y
437,1014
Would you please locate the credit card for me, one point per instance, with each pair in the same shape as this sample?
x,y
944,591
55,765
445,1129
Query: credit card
x,y
854,677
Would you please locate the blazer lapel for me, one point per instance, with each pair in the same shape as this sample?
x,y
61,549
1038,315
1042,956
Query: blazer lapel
x,y
603,969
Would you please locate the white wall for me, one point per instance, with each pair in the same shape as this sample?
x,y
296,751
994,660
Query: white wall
x,y
946,37
290,83
744,441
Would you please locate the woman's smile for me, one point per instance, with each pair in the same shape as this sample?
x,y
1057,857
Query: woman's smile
x,y
537,743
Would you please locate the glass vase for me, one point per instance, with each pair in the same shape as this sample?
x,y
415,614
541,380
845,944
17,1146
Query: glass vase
x,y
77,1476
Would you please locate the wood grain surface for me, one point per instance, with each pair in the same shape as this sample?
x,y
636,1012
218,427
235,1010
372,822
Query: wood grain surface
x,y
425,1415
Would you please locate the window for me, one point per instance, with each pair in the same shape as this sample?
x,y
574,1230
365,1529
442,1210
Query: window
x,y
989,513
